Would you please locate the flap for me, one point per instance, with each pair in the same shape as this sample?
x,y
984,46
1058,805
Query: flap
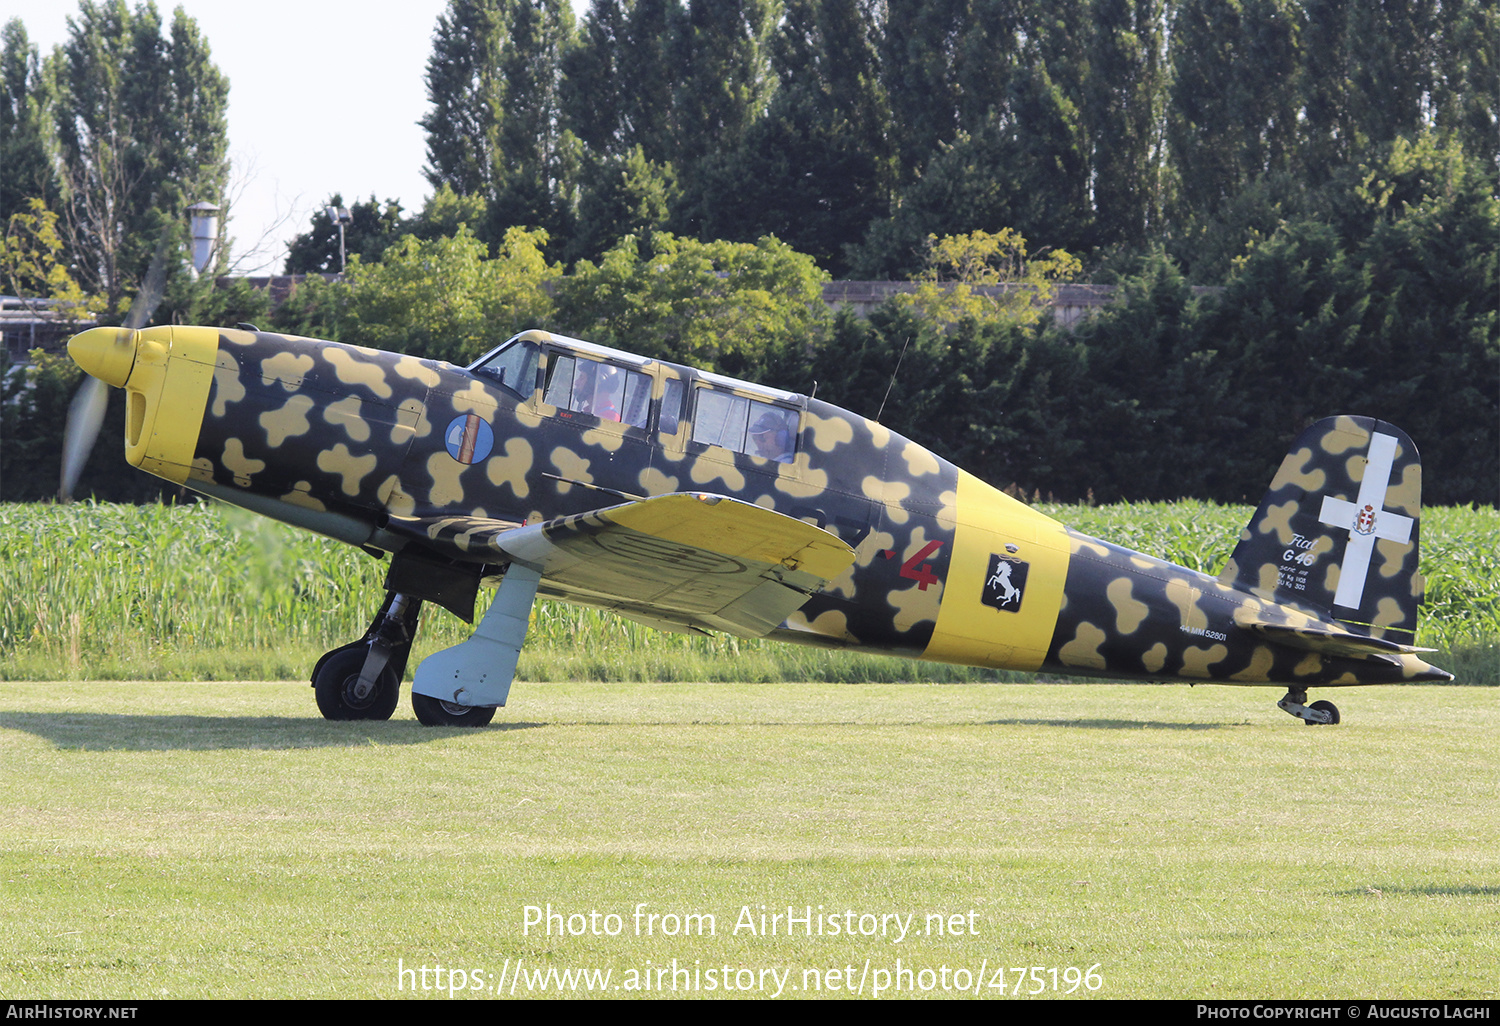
x,y
693,560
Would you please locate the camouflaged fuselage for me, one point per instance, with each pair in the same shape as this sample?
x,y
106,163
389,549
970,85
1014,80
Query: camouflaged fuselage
x,y
389,451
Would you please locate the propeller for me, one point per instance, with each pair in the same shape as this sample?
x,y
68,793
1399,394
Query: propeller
x,y
86,412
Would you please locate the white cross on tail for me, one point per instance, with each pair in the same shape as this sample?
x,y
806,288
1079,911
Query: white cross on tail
x,y
1365,519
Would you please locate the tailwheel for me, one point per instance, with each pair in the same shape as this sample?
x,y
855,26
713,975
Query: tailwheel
x,y
1328,709
1316,715
434,712
340,696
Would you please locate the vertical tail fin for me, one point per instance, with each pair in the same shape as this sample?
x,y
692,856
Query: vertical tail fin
x,y
1337,530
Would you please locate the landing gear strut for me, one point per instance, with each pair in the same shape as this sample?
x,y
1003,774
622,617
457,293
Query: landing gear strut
x,y
462,685
362,680
1317,714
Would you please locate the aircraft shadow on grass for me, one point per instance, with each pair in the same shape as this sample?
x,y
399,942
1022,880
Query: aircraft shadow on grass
x,y
129,732
1430,890
1097,724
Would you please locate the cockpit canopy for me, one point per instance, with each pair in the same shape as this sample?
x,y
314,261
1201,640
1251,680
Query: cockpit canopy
x,y
577,378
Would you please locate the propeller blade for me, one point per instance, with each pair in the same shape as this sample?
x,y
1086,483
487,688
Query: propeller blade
x,y
86,414
85,418
152,287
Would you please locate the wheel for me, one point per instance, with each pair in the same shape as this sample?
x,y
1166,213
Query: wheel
x,y
1328,707
335,686
434,712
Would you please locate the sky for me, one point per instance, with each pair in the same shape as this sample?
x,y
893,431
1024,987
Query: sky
x,y
324,97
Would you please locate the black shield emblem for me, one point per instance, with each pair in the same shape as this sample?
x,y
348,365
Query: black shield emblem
x,y
1005,584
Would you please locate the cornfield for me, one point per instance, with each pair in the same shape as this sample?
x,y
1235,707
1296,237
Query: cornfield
x,y
209,592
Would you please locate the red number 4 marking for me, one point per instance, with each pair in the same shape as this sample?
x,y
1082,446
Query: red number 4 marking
x,y
922,573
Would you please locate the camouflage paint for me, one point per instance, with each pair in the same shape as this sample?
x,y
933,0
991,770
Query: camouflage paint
x,y
439,457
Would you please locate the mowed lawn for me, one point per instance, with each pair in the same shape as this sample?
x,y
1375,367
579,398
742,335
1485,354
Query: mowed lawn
x,y
222,840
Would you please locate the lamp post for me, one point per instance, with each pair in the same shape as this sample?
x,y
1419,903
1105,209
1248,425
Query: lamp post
x,y
339,216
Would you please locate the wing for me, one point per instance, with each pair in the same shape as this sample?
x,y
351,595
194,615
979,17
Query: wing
x,y
687,560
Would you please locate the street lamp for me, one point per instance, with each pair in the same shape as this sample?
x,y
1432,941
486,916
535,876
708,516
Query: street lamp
x,y
339,216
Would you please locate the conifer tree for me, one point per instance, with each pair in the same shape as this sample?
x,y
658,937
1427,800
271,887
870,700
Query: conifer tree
x,y
26,97
467,94
619,83
818,167
141,132
496,126
1233,110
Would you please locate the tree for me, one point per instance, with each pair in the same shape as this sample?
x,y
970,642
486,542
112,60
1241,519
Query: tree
x,y
33,264
622,196
917,58
1122,106
1017,290
468,94
446,211
731,307
1021,154
1002,176
140,122
496,126
619,83
1152,410
818,166
725,84
537,158
34,400
1233,110
1465,100
998,399
26,96
370,230
211,300
1382,302
442,299
1371,74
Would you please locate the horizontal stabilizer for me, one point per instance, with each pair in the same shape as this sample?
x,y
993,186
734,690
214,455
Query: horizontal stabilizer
x,y
1332,641
694,561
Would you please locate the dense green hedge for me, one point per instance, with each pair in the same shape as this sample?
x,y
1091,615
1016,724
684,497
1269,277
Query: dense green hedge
x,y
1379,299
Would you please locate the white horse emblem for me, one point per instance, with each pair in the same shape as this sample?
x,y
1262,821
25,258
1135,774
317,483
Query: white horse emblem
x,y
999,590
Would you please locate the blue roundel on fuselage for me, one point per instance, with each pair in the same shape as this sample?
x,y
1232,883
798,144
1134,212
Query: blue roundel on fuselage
x,y
468,438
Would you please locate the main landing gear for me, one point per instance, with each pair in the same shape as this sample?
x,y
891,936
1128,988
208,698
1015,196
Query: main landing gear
x,y
1315,715
362,680
458,687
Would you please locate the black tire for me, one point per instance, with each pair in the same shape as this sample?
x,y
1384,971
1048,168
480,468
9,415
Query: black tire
x,y
334,688
1328,707
436,713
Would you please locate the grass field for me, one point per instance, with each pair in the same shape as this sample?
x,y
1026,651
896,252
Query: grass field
x,y
220,840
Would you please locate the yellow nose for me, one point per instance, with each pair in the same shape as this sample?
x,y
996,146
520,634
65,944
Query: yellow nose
x,y
106,353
